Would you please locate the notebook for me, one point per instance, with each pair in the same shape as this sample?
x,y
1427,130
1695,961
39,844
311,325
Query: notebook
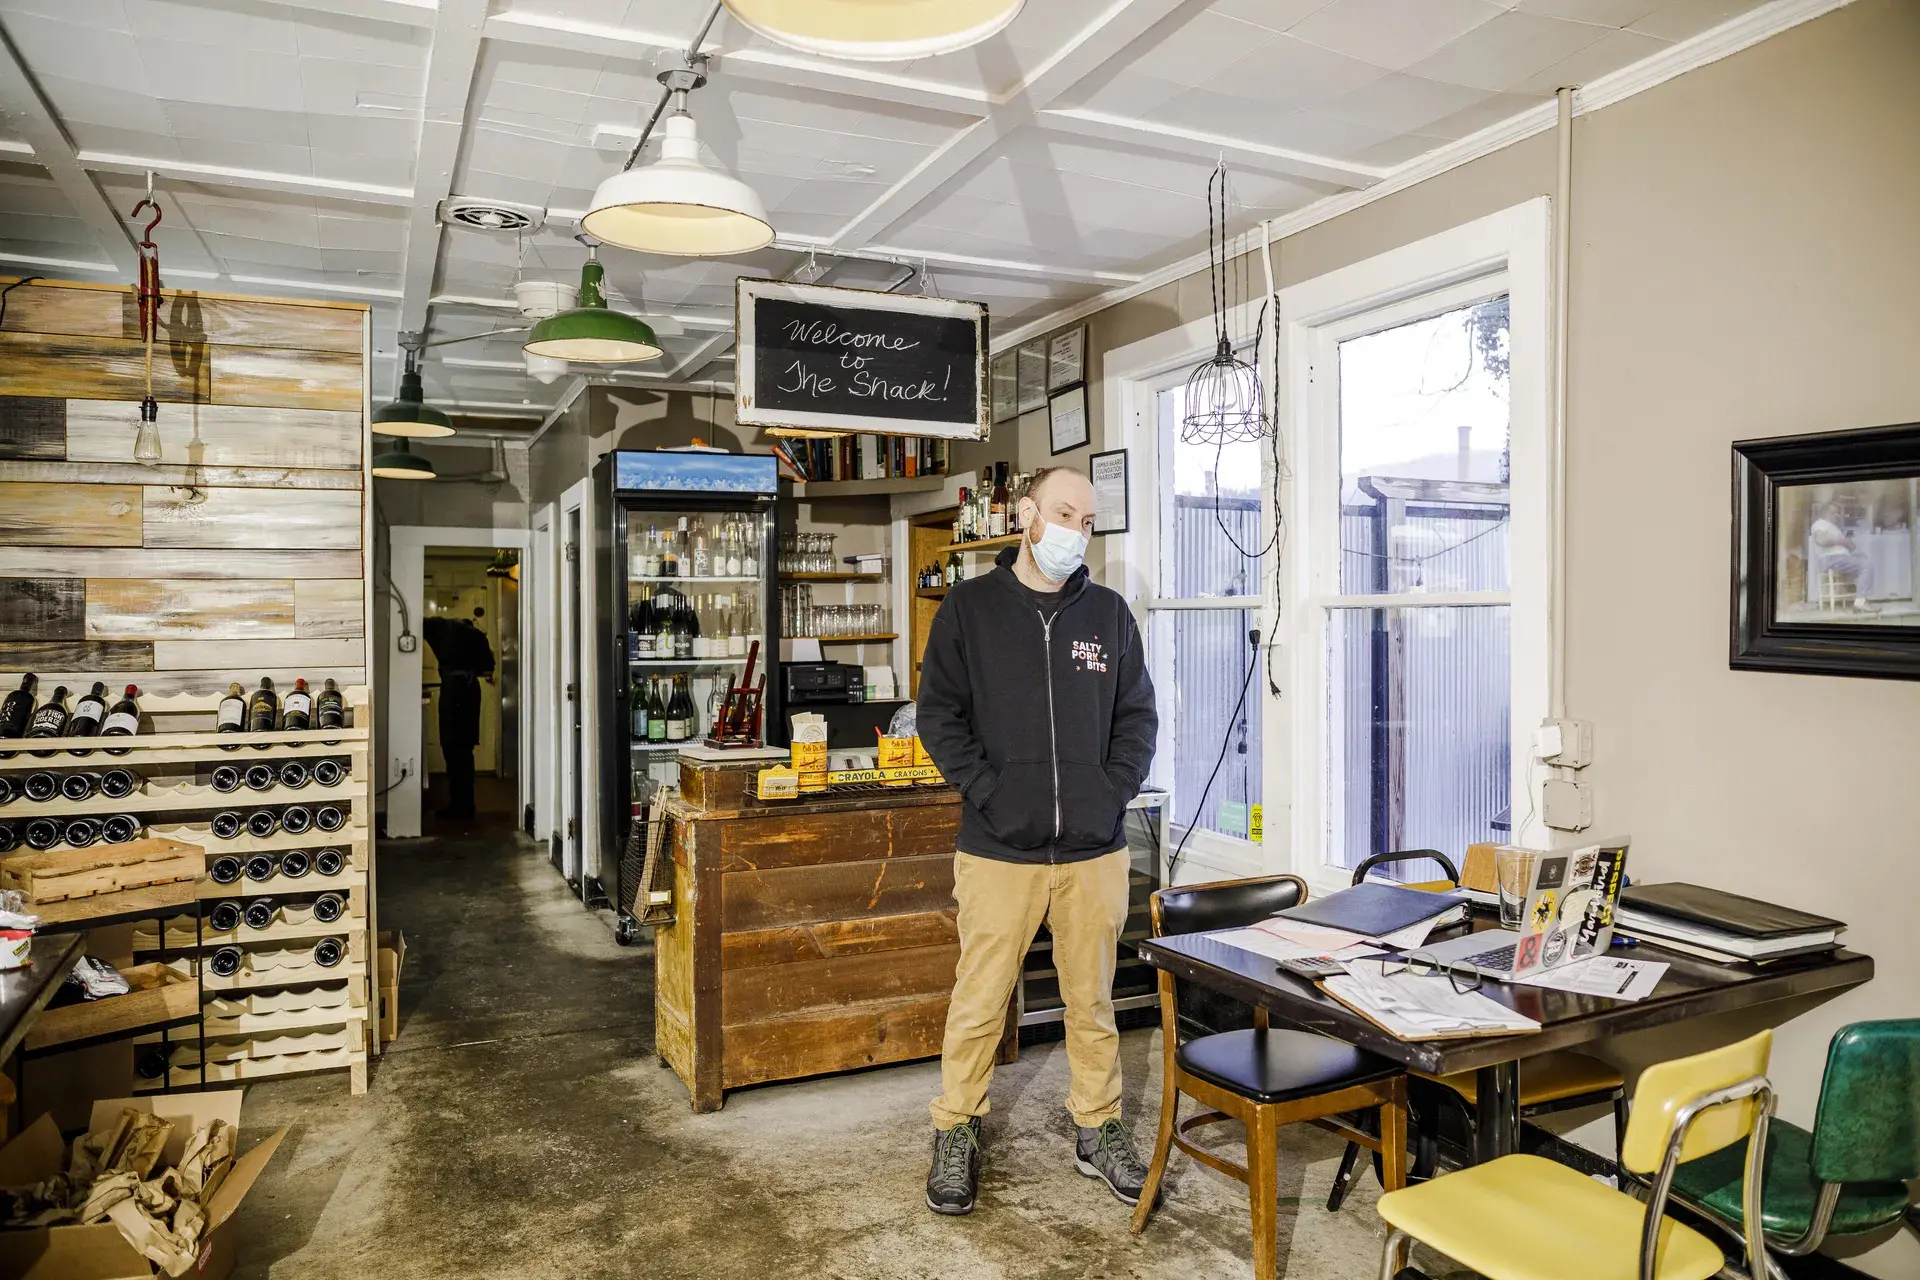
x,y
1725,912
1374,910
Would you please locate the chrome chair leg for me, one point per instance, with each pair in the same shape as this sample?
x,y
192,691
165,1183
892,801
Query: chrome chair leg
x,y
1394,1257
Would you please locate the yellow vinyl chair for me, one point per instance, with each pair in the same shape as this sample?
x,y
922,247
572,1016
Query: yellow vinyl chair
x,y
1526,1218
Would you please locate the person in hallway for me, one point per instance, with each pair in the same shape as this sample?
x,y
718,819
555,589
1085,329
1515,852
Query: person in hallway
x,y
1035,702
465,658
1834,552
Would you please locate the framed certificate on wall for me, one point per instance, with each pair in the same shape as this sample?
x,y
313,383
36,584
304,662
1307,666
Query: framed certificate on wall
x,y
1108,471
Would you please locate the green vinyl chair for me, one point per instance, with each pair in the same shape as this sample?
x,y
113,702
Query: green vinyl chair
x,y
1848,1176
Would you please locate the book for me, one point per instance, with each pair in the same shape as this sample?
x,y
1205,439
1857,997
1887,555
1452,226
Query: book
x,y
1724,912
1721,957
1374,910
1660,928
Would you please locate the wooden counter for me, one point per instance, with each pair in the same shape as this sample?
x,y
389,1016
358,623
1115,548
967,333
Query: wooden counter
x,y
810,936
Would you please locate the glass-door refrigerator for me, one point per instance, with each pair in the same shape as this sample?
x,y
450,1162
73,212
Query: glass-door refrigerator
x,y
685,561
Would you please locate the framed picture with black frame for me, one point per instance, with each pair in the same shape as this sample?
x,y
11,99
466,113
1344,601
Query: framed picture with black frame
x,y
1111,501
1067,426
1826,553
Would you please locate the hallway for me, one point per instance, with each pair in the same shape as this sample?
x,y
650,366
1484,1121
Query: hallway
x,y
519,1127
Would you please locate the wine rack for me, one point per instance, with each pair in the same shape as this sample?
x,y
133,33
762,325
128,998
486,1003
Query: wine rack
x,y
175,799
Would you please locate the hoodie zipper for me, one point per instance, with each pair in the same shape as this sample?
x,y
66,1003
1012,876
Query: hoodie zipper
x,y
1053,733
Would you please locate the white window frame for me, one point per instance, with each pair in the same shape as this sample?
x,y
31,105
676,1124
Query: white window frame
x,y
1504,253
1133,377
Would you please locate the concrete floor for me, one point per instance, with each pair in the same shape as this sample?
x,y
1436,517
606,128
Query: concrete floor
x,y
520,1128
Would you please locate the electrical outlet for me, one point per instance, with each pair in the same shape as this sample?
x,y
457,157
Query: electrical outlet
x,y
1567,744
408,642
1566,805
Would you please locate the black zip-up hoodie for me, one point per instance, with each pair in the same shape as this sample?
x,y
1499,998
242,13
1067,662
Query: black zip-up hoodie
x,y
1046,728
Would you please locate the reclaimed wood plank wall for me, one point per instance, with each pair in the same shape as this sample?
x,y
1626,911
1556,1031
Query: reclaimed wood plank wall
x,y
242,552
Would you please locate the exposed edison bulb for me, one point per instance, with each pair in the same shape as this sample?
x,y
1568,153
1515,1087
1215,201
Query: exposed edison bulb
x,y
146,443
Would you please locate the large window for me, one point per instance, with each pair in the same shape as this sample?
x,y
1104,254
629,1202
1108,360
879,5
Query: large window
x,y
1205,598
1416,589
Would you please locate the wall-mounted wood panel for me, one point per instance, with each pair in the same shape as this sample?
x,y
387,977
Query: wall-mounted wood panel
x,y
33,427
43,608
174,562
190,609
292,379
181,477
218,435
41,364
74,515
289,519
76,656
207,655
164,682
186,317
328,608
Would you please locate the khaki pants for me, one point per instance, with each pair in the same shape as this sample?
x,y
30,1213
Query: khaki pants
x,y
1002,904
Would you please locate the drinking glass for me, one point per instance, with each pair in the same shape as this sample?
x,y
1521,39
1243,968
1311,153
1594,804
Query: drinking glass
x,y
1513,870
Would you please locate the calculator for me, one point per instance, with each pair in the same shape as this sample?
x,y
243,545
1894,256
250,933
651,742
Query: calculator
x,y
1312,968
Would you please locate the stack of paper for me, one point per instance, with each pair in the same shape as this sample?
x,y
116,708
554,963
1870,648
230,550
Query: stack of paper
x,y
1421,1007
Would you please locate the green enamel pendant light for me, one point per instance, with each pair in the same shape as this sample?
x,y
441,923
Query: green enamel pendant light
x,y
401,463
592,332
409,414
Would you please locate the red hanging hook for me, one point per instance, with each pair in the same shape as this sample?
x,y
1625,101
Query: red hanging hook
x,y
147,203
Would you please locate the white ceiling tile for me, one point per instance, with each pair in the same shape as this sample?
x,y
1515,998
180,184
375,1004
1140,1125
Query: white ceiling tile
x,y
493,151
124,142
94,15
244,254
1287,73
1610,53
1124,92
1507,52
1321,134
362,262
1607,13
234,124
1397,149
1275,15
353,166
1489,111
1194,51
350,40
1393,33
1403,103
346,89
215,76
361,233
1679,19
52,47
260,156
385,137
75,100
222,25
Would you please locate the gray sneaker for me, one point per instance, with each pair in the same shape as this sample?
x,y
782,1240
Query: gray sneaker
x,y
955,1176
1107,1152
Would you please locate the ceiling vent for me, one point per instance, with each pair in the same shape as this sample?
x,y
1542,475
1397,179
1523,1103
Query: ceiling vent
x,y
491,215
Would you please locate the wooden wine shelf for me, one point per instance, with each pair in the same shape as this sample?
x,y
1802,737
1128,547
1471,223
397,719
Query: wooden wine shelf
x,y
253,1024
312,838
203,745
931,593
312,882
125,903
184,797
305,976
261,1068
983,544
279,931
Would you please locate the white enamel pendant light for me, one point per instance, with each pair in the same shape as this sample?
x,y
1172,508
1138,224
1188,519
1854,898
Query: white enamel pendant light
x,y
876,30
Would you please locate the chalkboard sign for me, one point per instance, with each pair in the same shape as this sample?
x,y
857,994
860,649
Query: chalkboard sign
x,y
857,360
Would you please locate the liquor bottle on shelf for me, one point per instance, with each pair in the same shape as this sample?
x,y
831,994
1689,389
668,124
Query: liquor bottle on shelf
x,y
50,721
294,774
42,833
329,817
638,696
328,773
330,707
119,828
296,712
88,712
671,549
80,832
295,864
118,784
259,777
702,551
227,778
16,712
656,712
123,719
997,513
232,715
263,711
79,786
329,862
41,785
650,552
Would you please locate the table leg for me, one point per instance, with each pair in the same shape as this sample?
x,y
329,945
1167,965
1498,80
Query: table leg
x,y
1498,1095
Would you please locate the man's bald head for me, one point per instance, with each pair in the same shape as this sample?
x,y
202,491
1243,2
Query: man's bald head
x,y
1062,496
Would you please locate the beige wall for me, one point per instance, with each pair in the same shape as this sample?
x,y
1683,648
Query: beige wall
x,y
1745,263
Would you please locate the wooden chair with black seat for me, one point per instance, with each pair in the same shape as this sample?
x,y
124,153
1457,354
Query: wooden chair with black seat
x,y
1262,1077
1560,1081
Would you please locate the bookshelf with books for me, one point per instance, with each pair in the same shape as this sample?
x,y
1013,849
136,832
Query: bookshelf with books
x,y
865,459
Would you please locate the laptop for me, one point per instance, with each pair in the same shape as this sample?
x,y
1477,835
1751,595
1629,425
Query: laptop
x,y
1569,915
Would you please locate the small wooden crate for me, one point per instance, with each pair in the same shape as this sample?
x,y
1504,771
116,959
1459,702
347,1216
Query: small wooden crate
x,y
159,996
61,874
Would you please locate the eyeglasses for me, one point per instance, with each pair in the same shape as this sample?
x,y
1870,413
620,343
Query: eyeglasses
x,y
1464,977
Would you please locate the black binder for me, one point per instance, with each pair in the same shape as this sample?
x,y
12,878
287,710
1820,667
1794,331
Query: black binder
x,y
1374,910
1727,912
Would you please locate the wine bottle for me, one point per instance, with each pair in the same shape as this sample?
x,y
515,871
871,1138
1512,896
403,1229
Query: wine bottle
x,y
670,566
225,916
330,708
329,862
42,833
261,867
41,785
650,552
702,552
9,837
123,719
295,864
702,644
329,817
297,713
118,784
750,548
686,626
260,777
263,710
7,792
50,721
295,818
656,713
680,713
81,832
261,913
327,773
638,696
737,631
227,824
225,962
150,1061
262,823
119,828
88,712
329,952
736,541
294,774
329,907
227,778
79,786
224,869
232,715
16,712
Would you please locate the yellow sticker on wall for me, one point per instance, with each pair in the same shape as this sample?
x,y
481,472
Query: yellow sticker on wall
x,y
1256,826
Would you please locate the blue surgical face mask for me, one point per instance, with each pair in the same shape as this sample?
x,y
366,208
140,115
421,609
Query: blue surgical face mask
x,y
1059,551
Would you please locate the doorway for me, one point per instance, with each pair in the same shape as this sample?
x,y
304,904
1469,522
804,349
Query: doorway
x,y
470,688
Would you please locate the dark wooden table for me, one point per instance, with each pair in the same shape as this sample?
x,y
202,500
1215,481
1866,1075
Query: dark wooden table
x,y
25,992
1690,988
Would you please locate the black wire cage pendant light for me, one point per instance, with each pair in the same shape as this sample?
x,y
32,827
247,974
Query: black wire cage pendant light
x,y
1224,401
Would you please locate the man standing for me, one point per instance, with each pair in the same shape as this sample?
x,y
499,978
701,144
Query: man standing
x,y
461,651
1035,703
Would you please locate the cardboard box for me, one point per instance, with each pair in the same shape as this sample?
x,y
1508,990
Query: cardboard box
x,y
392,958
99,1251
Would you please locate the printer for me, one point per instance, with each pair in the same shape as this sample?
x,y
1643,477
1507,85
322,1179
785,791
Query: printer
x,y
817,683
